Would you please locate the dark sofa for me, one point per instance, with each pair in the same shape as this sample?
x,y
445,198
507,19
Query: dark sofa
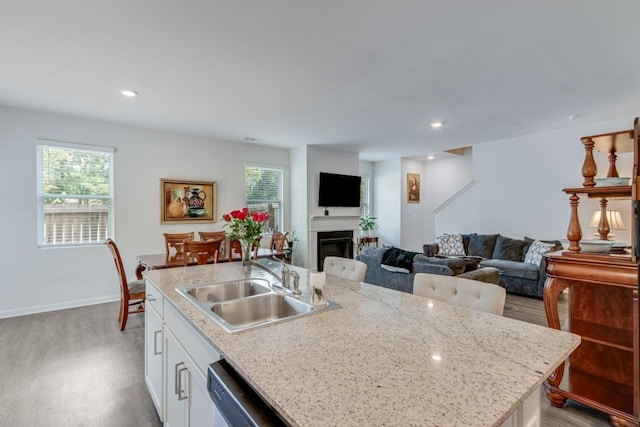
x,y
376,275
507,255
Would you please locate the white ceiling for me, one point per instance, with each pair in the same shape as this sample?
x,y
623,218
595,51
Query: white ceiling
x,y
359,75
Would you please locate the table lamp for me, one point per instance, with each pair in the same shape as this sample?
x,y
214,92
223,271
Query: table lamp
x,y
614,220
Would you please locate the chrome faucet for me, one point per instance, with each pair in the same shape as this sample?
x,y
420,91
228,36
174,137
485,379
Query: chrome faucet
x,y
287,275
284,278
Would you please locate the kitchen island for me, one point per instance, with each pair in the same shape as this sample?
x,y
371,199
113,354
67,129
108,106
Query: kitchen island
x,y
382,358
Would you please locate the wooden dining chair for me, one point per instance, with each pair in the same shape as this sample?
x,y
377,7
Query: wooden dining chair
x,y
277,241
207,235
132,294
236,248
176,241
202,251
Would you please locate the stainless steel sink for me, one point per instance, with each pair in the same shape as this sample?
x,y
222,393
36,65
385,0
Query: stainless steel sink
x,y
226,291
249,303
259,310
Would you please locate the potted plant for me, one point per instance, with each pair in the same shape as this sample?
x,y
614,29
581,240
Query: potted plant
x,y
291,238
368,224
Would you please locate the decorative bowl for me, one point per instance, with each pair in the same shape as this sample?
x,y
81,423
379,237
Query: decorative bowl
x,y
592,246
612,182
196,212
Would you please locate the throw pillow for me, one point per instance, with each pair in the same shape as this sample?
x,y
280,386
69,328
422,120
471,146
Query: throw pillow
x,y
537,248
508,249
450,244
557,245
482,244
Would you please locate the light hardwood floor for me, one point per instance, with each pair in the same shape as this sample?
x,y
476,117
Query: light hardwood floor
x,y
75,368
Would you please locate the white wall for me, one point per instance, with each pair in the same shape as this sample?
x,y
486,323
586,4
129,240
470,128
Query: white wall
x,y
518,185
45,279
412,214
321,159
299,213
387,188
442,179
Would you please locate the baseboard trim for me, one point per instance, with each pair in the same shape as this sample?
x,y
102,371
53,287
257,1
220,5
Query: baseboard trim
x,y
59,306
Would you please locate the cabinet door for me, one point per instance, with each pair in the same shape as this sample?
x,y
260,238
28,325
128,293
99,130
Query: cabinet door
x,y
177,383
201,407
187,398
153,350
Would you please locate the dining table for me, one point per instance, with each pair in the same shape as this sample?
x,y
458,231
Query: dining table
x,y
160,261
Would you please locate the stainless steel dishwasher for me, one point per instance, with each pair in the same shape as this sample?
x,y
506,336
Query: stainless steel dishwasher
x,y
239,404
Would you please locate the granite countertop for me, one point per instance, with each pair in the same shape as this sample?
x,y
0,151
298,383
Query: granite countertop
x,y
371,361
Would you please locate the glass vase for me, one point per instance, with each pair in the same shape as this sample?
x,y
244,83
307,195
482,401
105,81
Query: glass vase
x,y
246,246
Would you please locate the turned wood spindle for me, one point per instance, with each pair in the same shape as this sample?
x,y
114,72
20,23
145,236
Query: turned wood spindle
x,y
613,171
574,232
603,225
589,168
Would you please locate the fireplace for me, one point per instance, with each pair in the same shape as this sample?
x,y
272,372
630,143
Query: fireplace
x,y
334,243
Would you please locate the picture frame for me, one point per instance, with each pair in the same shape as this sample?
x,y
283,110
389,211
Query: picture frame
x,y
187,201
413,188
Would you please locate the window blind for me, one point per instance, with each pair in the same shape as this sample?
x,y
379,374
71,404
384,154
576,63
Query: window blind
x,y
75,194
264,192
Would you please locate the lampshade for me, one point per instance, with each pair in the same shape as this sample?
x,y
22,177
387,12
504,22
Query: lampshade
x,y
614,218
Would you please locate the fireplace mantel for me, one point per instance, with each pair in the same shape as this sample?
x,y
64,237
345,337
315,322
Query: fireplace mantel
x,y
332,223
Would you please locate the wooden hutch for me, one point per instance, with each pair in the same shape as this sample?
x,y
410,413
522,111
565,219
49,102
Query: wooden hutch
x,y
603,372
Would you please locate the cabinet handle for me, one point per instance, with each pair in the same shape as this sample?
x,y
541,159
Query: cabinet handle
x,y
155,343
182,395
176,389
150,297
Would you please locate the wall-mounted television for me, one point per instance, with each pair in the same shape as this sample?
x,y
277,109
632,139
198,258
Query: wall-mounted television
x,y
339,190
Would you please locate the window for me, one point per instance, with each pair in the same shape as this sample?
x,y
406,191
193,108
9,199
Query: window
x,y
365,196
75,195
264,189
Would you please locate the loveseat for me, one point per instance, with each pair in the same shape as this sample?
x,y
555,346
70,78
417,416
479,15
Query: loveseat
x,y
403,281
508,256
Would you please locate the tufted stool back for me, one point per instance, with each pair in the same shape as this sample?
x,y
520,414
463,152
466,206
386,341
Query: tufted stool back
x,y
468,293
345,268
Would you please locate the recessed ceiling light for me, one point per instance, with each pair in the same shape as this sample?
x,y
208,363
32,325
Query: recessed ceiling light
x,y
573,116
129,93
436,125
431,157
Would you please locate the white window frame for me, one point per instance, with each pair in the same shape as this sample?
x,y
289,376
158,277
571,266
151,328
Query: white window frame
x,y
279,223
41,232
365,206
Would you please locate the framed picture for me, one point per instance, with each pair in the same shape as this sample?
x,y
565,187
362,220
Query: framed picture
x,y
413,188
187,201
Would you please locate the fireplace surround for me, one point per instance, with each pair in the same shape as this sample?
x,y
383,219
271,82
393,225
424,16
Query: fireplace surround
x,y
334,243
330,223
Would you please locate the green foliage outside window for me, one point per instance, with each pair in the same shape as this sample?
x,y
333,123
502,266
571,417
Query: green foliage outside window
x,y
71,173
263,192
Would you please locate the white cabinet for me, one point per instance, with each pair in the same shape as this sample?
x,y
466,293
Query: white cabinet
x,y
176,362
153,354
177,382
153,347
188,402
